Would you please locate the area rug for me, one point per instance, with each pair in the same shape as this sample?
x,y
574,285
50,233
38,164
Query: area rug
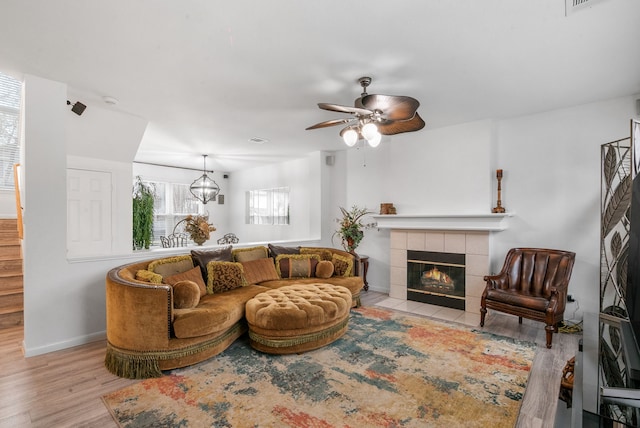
x,y
389,370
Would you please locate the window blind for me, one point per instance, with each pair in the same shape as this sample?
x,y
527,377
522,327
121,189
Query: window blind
x,y
10,94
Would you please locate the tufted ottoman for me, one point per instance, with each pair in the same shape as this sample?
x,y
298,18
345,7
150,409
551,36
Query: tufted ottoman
x,y
298,317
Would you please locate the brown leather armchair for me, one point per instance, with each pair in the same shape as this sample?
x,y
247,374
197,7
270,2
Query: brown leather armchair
x,y
532,284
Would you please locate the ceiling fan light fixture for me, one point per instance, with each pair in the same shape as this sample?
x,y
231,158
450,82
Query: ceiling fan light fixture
x,y
369,131
375,141
204,188
350,137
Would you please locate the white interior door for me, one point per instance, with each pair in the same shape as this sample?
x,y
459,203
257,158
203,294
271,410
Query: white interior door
x,y
88,213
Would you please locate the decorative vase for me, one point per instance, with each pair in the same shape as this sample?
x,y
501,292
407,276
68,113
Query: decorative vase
x,y
351,247
199,240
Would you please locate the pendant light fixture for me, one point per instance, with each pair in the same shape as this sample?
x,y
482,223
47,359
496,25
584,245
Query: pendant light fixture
x,y
204,188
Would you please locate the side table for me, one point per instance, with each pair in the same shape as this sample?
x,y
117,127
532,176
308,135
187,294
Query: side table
x,y
364,261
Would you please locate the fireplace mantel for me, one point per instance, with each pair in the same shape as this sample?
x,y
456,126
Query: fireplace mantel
x,y
463,222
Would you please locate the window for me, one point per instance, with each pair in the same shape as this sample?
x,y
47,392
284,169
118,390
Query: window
x,y
268,206
10,94
173,203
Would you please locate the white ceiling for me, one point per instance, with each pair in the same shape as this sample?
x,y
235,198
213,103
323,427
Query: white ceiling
x,y
209,75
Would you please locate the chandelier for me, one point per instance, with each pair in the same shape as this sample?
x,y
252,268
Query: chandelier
x,y
204,188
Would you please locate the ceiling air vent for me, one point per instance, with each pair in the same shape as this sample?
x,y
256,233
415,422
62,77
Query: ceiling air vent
x,y
258,140
575,5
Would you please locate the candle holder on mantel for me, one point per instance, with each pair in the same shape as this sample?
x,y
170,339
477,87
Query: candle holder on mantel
x,y
499,208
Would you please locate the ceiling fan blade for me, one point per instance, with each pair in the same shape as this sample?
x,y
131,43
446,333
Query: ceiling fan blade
x,y
328,123
393,107
345,109
399,126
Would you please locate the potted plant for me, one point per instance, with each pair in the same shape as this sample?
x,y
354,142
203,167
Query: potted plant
x,y
351,230
198,228
143,199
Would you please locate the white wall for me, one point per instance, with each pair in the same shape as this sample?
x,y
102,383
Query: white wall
x,y
303,177
551,164
64,300
7,204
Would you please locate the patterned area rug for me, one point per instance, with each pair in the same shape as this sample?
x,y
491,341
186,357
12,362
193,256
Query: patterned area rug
x,y
389,370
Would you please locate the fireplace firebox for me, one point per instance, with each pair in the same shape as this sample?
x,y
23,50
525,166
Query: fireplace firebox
x,y
436,278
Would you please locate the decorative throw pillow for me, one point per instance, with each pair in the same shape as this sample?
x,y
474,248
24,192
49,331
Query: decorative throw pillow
x,y
324,253
224,276
343,265
297,265
324,269
260,270
171,265
186,295
202,257
194,275
275,250
148,276
248,254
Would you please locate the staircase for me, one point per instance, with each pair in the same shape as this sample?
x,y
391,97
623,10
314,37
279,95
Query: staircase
x,y
11,296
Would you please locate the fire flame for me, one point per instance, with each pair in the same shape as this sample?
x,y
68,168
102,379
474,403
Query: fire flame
x,y
435,275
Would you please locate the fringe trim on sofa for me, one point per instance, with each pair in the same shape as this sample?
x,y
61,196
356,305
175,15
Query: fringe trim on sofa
x,y
299,340
144,364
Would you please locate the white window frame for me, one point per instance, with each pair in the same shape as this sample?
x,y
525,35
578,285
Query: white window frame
x,y
268,206
166,216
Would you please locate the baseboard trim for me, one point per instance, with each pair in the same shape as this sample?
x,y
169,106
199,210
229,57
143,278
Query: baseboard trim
x,y
76,341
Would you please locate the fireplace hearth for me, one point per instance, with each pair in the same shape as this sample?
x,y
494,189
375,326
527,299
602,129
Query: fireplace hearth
x,y
437,278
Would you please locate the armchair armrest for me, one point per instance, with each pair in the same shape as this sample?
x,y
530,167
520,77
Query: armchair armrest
x,y
496,281
138,315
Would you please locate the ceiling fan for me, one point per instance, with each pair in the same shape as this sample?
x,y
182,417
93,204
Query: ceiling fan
x,y
374,116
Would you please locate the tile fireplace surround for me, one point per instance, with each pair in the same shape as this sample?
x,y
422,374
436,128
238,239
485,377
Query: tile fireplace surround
x,y
464,234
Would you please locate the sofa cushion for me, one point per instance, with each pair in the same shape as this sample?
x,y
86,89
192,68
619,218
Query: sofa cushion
x,y
224,276
194,274
148,276
324,269
297,265
343,265
248,254
171,265
259,270
202,257
275,250
186,294
324,253
215,313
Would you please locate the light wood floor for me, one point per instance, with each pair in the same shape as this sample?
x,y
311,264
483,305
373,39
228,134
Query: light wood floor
x,y
63,389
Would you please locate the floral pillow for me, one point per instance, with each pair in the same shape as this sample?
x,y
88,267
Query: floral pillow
x,y
343,265
224,276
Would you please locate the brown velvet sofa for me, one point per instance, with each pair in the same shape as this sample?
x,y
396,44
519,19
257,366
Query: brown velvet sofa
x,y
176,311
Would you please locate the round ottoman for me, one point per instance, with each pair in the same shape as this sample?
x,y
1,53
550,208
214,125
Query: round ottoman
x,y
298,317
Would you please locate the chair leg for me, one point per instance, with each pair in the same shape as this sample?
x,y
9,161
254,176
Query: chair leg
x,y
519,320
549,329
483,312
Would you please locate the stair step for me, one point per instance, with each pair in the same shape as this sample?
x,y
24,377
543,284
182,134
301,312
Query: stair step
x,y
10,267
11,282
10,252
8,224
12,303
11,319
